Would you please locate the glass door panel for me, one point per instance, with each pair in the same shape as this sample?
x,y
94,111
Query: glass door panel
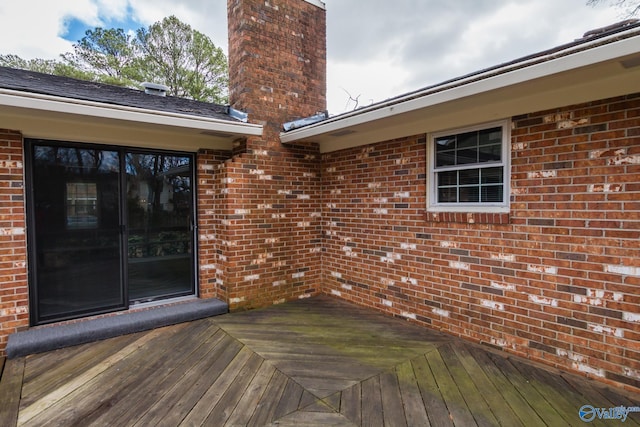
x,y
160,233
76,216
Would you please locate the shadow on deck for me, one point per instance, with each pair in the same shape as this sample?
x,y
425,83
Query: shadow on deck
x,y
314,362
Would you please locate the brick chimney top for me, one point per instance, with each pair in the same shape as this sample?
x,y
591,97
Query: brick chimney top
x,y
277,59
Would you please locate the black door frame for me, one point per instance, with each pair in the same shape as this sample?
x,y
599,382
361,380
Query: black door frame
x,y
29,144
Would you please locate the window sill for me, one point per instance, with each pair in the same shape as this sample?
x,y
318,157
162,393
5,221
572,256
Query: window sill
x,y
469,217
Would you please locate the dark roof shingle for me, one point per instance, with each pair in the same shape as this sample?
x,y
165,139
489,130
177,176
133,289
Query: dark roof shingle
x,y
66,87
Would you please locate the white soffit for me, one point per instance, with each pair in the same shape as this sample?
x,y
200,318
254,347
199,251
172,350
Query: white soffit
x,y
586,75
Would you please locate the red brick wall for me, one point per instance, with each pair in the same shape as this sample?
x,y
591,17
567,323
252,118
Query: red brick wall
x,y
14,300
273,226
556,280
277,60
211,200
272,214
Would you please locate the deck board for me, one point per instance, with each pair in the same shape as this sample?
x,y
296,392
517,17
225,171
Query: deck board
x,y
180,388
415,412
265,410
351,404
451,394
310,363
486,388
153,388
522,384
470,393
393,410
81,402
434,404
45,374
372,403
10,389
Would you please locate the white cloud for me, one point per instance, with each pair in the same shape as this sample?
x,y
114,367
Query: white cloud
x,y
207,16
376,49
114,9
380,76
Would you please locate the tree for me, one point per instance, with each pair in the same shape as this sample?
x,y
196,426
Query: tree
x,y
108,53
631,7
183,59
47,66
169,52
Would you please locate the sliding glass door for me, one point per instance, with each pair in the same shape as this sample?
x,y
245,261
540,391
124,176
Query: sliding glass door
x,y
159,213
108,227
75,216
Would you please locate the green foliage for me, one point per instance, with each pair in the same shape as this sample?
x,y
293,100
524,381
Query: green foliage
x,y
169,52
108,51
47,66
39,65
183,59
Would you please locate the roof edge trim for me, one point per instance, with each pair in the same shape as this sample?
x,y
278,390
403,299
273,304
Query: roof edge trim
x,y
50,103
472,85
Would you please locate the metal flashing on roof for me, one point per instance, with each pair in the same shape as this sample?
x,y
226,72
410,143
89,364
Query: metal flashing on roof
x,y
317,3
305,121
239,115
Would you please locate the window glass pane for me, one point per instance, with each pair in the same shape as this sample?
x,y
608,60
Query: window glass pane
x,y
445,158
467,156
492,193
490,153
82,201
466,140
492,176
490,136
445,151
76,231
469,176
447,195
446,143
469,195
159,211
462,155
447,178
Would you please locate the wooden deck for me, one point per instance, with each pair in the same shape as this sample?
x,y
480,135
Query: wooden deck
x,y
315,362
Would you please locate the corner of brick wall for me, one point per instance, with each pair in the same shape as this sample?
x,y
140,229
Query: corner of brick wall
x,y
211,229
272,215
14,294
556,280
273,222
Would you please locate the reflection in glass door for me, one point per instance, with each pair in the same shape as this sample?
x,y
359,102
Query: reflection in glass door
x,y
160,233
109,227
75,212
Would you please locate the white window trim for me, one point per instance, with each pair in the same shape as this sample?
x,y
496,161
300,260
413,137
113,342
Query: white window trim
x,y
434,206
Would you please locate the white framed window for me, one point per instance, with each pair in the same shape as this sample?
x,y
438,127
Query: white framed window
x,y
469,169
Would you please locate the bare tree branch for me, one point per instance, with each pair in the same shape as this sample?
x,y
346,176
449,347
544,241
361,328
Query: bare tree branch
x,y
630,7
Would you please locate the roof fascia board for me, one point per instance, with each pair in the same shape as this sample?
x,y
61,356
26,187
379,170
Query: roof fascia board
x,y
415,101
77,107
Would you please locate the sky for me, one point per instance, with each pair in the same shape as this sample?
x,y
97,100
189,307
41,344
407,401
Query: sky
x,y
376,49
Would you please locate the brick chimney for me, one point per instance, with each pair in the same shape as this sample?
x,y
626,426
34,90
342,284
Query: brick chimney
x,y
271,201
277,59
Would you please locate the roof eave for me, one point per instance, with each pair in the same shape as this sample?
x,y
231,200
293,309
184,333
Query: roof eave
x,y
432,98
37,106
